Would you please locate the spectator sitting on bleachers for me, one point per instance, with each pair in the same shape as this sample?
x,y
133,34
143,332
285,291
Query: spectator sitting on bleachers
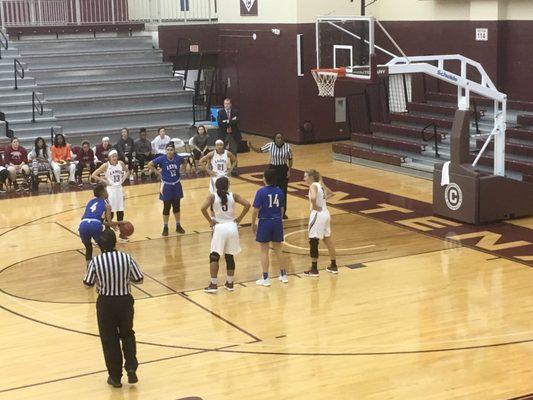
x,y
126,147
4,175
101,151
159,144
16,159
62,157
85,158
199,142
143,151
40,161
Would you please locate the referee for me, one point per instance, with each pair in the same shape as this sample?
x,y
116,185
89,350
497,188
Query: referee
x,y
112,272
280,160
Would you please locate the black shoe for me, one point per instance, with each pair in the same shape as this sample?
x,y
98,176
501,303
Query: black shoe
x,y
179,229
285,217
165,231
132,377
114,383
235,172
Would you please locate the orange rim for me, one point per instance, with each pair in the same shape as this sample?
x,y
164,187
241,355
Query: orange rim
x,y
341,72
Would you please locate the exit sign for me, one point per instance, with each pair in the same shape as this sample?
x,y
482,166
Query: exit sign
x,y
482,34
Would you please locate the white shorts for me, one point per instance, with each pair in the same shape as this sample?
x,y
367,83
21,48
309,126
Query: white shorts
x,y
319,224
225,239
116,198
212,182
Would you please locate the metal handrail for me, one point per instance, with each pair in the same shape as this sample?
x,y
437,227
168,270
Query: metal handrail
x,y
52,134
4,42
435,136
36,104
17,73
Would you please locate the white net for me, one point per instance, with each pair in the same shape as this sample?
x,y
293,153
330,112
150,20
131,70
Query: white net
x,y
325,81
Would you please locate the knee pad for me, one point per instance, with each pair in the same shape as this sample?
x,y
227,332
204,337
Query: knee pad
x,y
230,262
166,207
214,257
313,247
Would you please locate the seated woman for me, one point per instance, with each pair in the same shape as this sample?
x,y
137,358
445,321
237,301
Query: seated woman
x,y
85,159
199,143
101,151
61,158
39,158
16,161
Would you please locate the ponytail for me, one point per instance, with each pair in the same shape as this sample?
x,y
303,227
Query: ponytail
x,y
222,185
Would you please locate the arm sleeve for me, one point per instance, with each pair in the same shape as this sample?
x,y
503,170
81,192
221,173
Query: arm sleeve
x,y
266,148
136,274
90,276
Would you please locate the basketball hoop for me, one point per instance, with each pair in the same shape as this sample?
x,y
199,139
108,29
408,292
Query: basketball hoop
x,y
325,79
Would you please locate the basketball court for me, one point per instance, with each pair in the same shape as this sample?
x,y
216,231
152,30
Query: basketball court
x,y
427,304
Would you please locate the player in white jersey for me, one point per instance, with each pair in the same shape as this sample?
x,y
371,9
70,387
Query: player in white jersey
x,y
114,172
225,240
319,222
217,163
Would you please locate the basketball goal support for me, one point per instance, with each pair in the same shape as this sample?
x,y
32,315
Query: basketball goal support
x,y
434,66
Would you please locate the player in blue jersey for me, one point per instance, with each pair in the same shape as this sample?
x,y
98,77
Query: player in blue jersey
x,y
268,206
97,215
170,165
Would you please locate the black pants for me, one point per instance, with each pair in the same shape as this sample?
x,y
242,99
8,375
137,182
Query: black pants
x,y
115,324
281,179
81,166
142,160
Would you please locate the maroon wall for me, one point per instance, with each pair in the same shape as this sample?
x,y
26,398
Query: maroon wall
x,y
272,98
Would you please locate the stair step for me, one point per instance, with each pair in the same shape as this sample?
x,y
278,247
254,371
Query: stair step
x,y
388,143
524,119
480,101
367,154
510,148
401,130
523,167
519,133
422,120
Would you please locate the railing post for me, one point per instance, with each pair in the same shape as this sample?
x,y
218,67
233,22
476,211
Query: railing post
x,y
78,12
32,12
209,10
33,107
15,68
1,13
113,11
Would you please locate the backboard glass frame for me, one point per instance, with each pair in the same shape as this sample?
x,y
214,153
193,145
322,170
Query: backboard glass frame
x,y
366,72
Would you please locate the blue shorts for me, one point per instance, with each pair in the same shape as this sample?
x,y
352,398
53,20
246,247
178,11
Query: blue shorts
x,y
269,230
90,230
170,192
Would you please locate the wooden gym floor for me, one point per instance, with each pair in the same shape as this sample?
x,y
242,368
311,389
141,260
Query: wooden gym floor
x,y
422,308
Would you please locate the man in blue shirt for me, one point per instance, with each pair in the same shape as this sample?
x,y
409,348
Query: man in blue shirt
x,y
171,191
97,214
268,205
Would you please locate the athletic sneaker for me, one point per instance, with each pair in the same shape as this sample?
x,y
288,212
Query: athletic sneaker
x,y
212,288
132,377
165,231
312,273
179,229
263,282
229,286
332,269
283,279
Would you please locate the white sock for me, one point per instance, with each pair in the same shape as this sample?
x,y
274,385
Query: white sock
x,y
229,279
214,281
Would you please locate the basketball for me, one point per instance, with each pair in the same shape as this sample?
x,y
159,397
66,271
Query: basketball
x,y
126,229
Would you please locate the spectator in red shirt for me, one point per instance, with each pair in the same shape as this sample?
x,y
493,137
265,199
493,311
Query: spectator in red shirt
x,y
16,159
102,150
85,159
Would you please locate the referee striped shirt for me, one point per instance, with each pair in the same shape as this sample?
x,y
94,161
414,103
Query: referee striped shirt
x,y
278,154
112,272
